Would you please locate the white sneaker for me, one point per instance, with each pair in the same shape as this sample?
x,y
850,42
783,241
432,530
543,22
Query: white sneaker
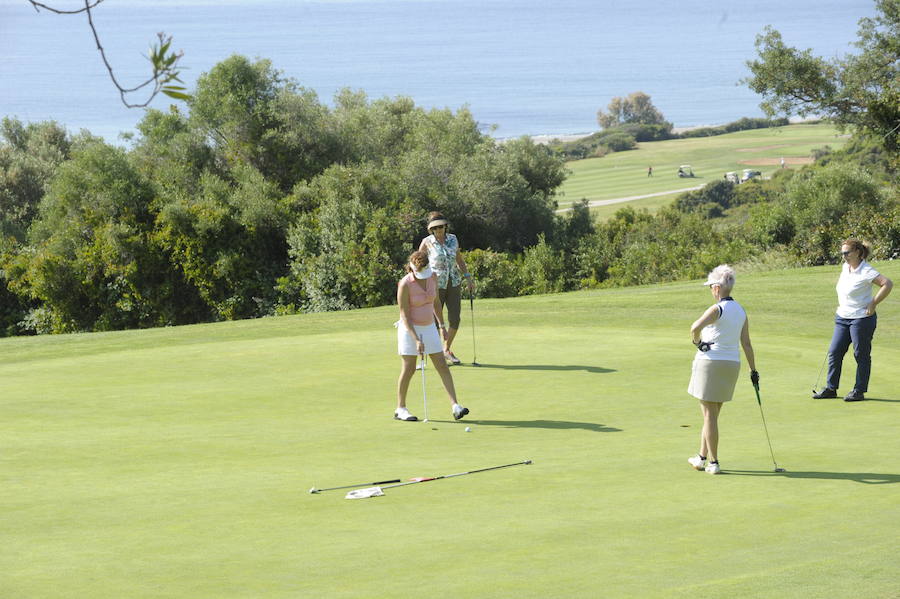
x,y
403,414
459,411
697,462
713,468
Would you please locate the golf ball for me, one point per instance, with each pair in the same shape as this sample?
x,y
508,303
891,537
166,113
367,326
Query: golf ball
x,y
468,430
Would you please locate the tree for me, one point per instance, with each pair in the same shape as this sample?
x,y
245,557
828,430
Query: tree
x,y
861,90
29,156
163,60
90,261
636,109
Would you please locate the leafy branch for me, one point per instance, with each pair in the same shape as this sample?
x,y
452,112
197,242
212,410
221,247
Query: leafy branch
x,y
163,60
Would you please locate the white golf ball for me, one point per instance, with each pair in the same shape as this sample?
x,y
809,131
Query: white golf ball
x,y
468,430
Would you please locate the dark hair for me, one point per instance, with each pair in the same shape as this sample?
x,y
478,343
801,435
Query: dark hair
x,y
435,215
859,246
419,258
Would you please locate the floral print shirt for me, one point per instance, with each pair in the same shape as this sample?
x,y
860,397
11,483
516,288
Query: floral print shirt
x,y
442,259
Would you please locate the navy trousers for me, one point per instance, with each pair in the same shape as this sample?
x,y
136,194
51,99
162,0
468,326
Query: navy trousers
x,y
859,331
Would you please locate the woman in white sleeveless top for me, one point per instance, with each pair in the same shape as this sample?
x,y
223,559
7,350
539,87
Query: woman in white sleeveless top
x,y
718,334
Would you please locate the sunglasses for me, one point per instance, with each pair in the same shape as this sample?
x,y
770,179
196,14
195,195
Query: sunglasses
x,y
438,227
847,253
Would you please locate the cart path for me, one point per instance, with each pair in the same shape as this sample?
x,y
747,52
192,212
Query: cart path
x,y
593,203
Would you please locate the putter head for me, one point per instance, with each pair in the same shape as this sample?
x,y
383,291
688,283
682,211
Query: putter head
x,y
780,470
314,490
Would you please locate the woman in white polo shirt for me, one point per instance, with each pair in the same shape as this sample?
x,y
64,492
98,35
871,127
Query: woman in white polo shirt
x,y
718,334
855,319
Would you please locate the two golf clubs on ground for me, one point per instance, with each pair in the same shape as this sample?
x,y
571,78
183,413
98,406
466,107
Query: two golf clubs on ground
x,y
420,479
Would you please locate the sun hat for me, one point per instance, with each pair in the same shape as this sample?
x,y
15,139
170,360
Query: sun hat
x,y
721,275
437,223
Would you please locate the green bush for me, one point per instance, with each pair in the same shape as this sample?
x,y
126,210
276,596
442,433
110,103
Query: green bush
x,y
741,124
771,223
711,199
542,270
496,274
646,132
618,141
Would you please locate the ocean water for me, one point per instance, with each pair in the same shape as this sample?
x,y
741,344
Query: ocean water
x,y
523,67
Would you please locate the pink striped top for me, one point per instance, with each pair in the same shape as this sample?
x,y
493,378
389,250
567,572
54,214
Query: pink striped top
x,y
421,301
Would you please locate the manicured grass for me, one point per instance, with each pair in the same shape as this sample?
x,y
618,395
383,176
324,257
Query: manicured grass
x,y
624,174
177,462
652,204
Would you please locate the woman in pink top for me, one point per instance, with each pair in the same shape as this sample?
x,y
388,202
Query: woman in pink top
x,y
417,334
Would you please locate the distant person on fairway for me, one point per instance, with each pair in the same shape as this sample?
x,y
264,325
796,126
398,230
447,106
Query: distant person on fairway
x,y
417,335
855,319
717,363
649,171
444,258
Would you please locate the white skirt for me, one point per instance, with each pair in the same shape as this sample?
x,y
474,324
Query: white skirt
x,y
714,380
406,345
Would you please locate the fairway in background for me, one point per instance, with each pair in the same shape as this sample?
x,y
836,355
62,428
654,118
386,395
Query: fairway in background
x,y
177,462
624,174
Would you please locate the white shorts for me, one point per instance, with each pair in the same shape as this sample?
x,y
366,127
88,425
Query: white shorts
x,y
406,345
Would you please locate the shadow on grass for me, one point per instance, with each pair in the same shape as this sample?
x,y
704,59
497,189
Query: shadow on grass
x,y
596,369
880,399
554,424
868,478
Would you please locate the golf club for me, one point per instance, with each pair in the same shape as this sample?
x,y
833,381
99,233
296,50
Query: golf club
x,y
383,482
472,319
772,453
378,491
424,392
821,368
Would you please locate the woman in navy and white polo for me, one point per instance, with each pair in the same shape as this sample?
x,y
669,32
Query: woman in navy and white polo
x,y
855,319
718,334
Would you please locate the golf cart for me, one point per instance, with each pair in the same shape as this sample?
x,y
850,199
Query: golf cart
x,y
685,170
732,177
749,173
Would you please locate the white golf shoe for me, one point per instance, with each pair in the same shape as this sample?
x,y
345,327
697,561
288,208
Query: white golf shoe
x,y
697,462
403,414
713,468
459,411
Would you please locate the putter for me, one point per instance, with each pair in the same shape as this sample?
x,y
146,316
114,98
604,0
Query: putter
x,y
821,368
772,453
424,392
383,482
472,318
378,491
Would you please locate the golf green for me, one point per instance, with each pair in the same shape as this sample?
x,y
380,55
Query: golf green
x,y
178,462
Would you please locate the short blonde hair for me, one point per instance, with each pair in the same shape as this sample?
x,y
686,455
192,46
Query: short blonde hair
x,y
722,275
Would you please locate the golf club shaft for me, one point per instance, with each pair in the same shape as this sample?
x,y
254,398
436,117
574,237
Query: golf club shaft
x,y
424,392
425,480
472,319
383,482
766,428
819,377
